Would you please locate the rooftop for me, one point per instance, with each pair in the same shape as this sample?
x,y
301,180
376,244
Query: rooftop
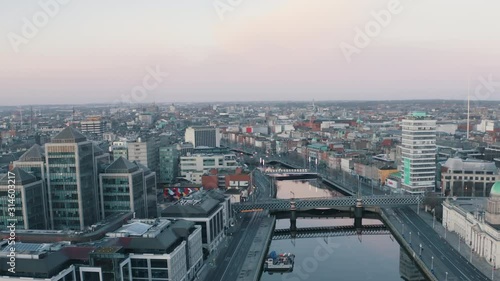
x,y
35,153
21,177
69,135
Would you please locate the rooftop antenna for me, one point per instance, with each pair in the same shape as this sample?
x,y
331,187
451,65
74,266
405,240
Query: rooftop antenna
x,y
31,118
468,107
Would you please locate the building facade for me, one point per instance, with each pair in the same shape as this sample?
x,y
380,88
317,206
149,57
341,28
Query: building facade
x,y
145,152
169,163
477,222
194,166
122,189
71,181
467,177
418,149
27,198
203,136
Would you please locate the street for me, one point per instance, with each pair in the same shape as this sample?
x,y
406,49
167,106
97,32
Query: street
x,y
229,262
436,253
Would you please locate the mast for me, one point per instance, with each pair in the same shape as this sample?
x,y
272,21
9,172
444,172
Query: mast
x,y
468,107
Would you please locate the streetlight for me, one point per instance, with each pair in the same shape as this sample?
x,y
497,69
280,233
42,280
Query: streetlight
x,y
420,253
410,238
433,218
446,279
403,230
432,264
470,253
493,266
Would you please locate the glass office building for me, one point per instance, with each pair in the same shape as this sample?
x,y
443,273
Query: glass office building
x,y
71,181
123,189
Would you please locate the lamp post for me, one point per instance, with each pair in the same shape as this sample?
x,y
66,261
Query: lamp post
x,y
459,242
403,231
410,238
432,264
433,218
470,253
420,253
493,266
446,278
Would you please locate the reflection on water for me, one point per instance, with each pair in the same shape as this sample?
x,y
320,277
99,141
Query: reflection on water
x,y
307,188
408,269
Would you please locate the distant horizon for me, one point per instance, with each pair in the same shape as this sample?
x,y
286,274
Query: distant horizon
x,y
245,101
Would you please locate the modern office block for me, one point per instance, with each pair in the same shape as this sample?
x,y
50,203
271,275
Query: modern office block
x,y
122,189
73,192
169,163
22,199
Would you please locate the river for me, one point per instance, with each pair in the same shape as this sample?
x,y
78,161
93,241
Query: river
x,y
343,258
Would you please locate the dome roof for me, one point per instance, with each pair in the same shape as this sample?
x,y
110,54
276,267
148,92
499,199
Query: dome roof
x,y
495,189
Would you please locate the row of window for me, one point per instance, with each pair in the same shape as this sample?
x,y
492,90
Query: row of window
x,y
468,178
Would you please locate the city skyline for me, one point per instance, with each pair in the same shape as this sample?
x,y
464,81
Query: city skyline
x,y
246,50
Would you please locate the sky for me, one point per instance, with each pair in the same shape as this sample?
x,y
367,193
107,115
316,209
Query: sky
x,y
77,52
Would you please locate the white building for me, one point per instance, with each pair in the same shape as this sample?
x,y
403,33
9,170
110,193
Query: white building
x,y
418,169
203,136
479,229
194,166
144,152
469,177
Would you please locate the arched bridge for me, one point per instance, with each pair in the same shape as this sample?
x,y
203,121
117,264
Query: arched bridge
x,y
330,231
276,205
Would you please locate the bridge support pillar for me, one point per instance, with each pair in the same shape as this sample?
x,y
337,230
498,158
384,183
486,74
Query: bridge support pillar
x,y
293,223
293,216
358,214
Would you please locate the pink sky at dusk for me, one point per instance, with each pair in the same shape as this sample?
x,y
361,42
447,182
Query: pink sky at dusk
x,y
262,50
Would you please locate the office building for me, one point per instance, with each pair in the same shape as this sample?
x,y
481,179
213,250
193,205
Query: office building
x,y
153,250
33,162
203,136
469,177
122,189
418,147
71,181
93,126
39,261
149,250
145,152
169,163
204,211
29,202
194,166
119,149
152,193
